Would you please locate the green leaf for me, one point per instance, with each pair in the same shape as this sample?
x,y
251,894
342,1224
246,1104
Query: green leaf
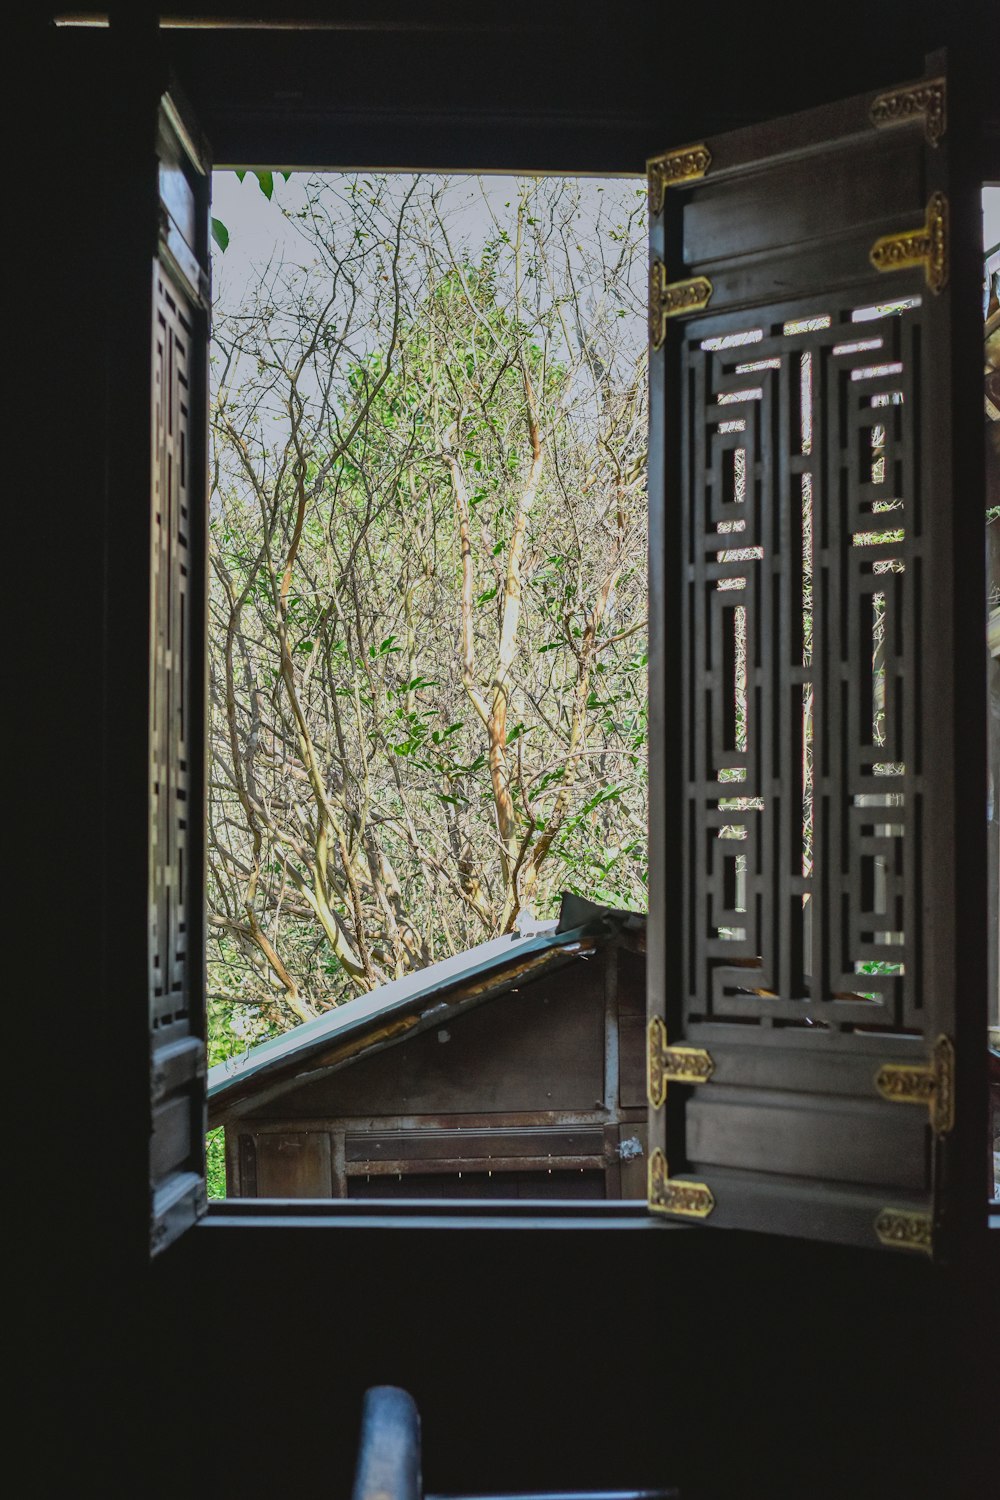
x,y
266,181
285,176
240,173
220,234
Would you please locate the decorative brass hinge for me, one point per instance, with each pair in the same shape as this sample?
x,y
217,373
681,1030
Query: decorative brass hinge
x,y
670,300
672,1064
671,1196
923,101
904,1230
930,1083
686,164
926,246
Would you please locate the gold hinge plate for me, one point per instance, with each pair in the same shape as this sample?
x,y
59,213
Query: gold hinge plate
x,y
672,1064
673,168
669,1195
904,1230
930,1083
672,299
926,246
924,101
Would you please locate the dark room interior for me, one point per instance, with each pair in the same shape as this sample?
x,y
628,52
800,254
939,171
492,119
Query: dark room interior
x,y
163,1350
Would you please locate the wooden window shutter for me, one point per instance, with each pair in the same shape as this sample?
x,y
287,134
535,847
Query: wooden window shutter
x,y
817,883
177,674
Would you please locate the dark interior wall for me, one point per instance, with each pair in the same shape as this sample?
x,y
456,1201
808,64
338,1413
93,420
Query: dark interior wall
x,y
731,1365
563,85
235,1365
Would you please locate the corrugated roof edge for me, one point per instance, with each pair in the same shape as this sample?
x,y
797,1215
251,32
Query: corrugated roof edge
x,y
393,1001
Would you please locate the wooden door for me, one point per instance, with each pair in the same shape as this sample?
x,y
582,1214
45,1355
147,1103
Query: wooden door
x,y
156,625
818,929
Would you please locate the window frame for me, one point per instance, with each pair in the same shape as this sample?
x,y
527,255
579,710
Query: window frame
x,y
416,1214
131,163
423,1214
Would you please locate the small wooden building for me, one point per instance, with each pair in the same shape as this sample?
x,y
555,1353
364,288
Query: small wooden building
x,y
513,1070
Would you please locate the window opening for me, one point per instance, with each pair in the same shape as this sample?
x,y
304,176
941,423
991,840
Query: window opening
x,y
427,657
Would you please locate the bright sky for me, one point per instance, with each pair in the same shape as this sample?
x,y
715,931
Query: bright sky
x,y
991,217
257,227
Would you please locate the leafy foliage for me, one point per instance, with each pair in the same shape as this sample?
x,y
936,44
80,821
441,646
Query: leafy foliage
x,y
427,614
265,181
215,1162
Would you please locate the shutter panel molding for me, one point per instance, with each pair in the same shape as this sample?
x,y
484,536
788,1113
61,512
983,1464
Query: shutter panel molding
x,y
177,674
816,509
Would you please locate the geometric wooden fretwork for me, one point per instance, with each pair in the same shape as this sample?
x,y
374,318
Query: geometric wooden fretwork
x,y
170,667
816,915
177,658
803,760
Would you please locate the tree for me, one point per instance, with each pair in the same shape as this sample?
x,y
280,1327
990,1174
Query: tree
x,y
428,598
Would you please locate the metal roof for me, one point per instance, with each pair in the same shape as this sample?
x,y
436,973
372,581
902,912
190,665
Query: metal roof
x,y
404,1006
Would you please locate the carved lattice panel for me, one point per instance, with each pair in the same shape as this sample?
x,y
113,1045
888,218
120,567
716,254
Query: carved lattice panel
x,y
171,666
817,922
178,359
803,553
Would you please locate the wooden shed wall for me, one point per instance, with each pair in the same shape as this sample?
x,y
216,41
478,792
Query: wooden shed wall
x,y
532,1093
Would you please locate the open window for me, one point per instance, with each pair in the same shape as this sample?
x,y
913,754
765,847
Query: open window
x,y
427,686
817,938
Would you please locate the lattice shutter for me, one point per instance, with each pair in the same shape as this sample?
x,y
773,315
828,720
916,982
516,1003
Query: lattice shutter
x,y
809,655
177,680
